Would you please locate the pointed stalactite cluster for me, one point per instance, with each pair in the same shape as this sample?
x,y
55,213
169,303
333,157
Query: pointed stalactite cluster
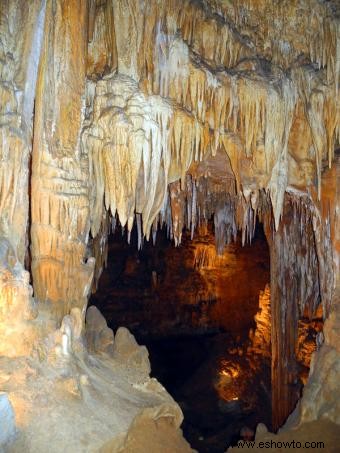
x,y
194,63
127,142
202,198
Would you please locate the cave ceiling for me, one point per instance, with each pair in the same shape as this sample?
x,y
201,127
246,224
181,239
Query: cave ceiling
x,y
256,79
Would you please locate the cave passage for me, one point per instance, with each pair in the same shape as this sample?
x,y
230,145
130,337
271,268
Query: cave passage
x,y
205,320
163,290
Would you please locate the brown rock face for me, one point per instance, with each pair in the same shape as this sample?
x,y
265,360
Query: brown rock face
x,y
168,112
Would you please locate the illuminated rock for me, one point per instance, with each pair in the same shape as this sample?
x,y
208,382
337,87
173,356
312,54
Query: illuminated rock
x,y
261,339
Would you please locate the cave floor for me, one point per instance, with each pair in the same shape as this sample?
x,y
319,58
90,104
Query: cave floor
x,y
87,403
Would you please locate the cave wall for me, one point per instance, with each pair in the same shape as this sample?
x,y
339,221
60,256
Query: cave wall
x,y
319,397
171,110
21,41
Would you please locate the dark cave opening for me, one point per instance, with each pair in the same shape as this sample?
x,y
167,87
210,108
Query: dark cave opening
x,y
205,320
162,289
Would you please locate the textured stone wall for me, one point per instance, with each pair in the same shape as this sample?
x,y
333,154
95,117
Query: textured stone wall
x,y
21,38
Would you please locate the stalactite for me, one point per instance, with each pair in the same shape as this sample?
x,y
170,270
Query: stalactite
x,y
319,102
177,201
203,198
225,225
139,231
127,139
212,38
186,58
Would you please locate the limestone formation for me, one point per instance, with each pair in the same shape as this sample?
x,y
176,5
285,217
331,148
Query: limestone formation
x,y
160,113
261,338
99,337
127,350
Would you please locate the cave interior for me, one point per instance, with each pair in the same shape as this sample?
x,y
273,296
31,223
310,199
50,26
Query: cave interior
x,y
169,225
204,315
